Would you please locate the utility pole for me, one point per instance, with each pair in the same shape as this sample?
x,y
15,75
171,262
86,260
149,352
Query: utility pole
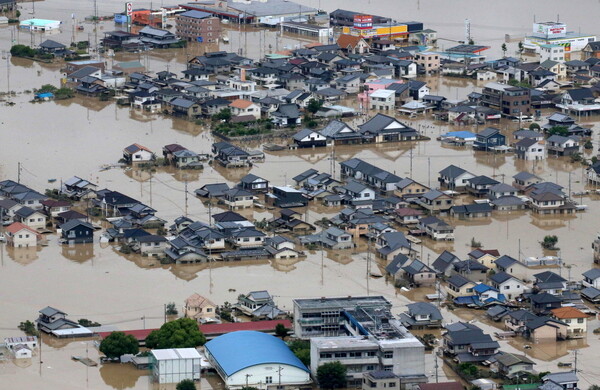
x,y
165,312
411,160
96,28
279,372
429,172
19,172
186,197
209,213
8,72
575,352
436,367
437,291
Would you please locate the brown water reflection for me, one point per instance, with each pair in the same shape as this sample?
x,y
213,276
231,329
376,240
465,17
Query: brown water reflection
x,y
121,376
23,256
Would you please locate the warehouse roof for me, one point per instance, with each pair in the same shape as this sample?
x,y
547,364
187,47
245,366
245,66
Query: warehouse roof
x,y
253,348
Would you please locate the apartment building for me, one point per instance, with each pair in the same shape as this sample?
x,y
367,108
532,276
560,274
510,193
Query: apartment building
x,y
362,334
198,26
511,101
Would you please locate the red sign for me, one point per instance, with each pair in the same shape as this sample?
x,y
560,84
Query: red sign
x,y
129,9
363,21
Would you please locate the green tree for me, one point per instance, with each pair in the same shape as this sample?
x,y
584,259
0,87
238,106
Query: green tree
x,y
594,387
534,127
521,48
576,157
29,328
22,51
469,370
88,323
588,145
63,93
171,309
47,88
332,375
549,242
314,105
559,130
224,114
281,331
301,349
18,14
119,343
186,384
504,49
471,41
181,333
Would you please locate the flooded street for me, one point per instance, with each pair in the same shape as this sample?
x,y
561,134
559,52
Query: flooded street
x,y
57,140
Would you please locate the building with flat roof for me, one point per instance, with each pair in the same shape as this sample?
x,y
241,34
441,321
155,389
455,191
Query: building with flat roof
x,y
511,101
198,26
322,317
362,334
254,11
175,365
255,359
555,33
40,24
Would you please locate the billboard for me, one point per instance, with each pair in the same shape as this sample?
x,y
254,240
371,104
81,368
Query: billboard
x,y
363,21
550,29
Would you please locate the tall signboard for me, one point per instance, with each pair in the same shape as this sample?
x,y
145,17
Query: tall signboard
x,y
129,12
550,29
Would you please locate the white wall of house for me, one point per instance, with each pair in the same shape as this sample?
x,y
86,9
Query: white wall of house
x,y
512,288
142,155
23,238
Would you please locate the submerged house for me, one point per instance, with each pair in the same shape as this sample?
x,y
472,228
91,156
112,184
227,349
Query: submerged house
x,y
137,153
77,232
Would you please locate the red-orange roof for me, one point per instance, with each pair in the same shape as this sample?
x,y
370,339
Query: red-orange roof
x,y
568,312
347,40
240,103
216,329
17,227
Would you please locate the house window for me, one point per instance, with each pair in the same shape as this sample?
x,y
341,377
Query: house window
x,y
268,379
580,320
388,354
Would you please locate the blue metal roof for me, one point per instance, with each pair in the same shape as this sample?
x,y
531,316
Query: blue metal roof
x,y
461,134
236,351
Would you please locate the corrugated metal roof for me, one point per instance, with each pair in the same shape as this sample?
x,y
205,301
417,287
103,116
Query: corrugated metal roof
x,y
252,348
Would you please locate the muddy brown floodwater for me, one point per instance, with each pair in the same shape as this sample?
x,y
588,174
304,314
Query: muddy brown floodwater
x,y
57,140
